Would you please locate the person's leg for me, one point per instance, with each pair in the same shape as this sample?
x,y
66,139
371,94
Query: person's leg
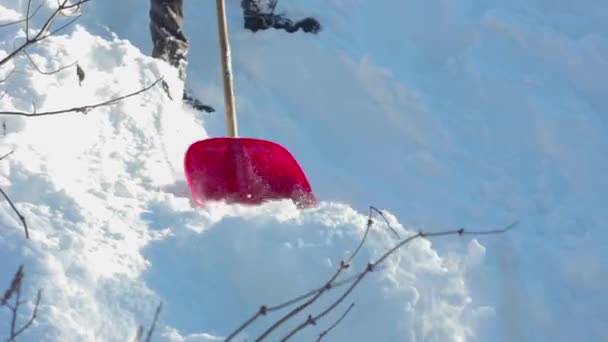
x,y
166,28
170,44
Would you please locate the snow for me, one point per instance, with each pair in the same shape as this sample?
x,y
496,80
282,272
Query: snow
x,y
443,113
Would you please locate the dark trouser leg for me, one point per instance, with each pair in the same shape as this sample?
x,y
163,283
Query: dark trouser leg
x,y
166,28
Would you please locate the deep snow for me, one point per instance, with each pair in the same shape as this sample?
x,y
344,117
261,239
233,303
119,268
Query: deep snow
x,y
448,114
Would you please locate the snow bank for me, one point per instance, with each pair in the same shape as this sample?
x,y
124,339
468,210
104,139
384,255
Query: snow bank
x,y
113,232
449,114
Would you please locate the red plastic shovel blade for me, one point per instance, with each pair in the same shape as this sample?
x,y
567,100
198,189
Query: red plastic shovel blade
x,y
246,171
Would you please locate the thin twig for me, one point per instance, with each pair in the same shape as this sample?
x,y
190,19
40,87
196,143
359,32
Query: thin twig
x,y
27,21
326,331
460,231
354,280
15,291
329,284
378,264
370,222
315,293
76,4
261,312
372,266
267,309
48,73
304,305
45,30
13,23
385,219
21,217
62,27
151,330
14,310
83,109
31,320
28,17
8,154
311,320
8,75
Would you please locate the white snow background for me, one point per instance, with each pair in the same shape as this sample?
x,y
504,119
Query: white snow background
x,y
446,114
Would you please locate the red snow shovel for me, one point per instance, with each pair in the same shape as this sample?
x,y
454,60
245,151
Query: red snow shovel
x,y
242,170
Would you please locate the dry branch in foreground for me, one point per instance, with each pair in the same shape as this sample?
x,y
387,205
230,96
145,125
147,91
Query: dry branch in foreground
x,y
64,8
14,291
331,327
21,217
140,330
312,296
82,109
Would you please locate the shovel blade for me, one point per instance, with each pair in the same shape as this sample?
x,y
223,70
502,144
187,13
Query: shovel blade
x,y
245,171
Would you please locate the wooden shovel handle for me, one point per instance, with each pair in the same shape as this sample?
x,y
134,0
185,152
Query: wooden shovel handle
x,y
229,100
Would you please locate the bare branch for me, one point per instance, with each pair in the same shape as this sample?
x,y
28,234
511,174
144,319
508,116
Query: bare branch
x,y
28,16
8,154
311,320
45,31
315,293
62,27
372,267
76,4
21,217
326,331
151,330
15,291
354,280
31,320
304,305
460,231
261,312
140,329
14,310
27,21
385,219
7,76
13,23
264,309
48,73
83,109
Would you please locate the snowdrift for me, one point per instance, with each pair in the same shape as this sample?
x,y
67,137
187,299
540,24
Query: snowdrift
x,y
450,115
113,232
